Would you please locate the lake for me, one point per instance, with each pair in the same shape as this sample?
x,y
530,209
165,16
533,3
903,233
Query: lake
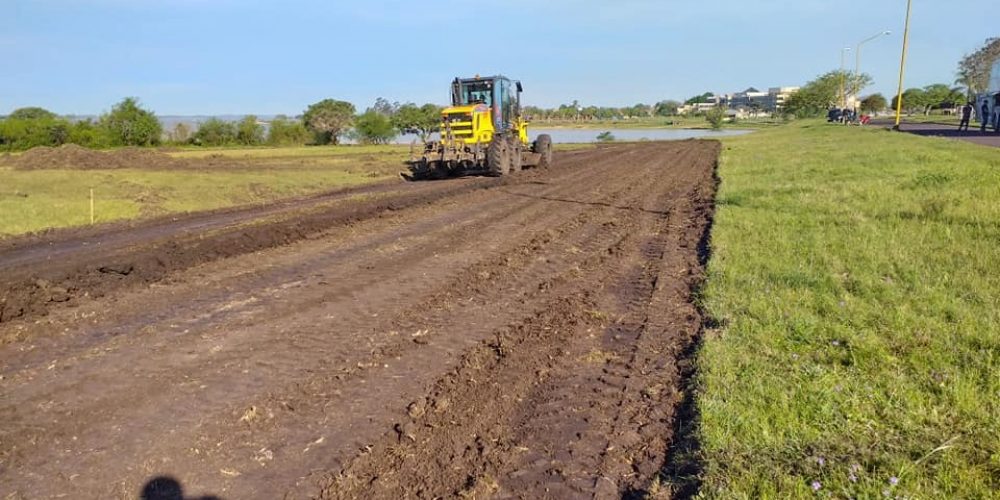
x,y
575,135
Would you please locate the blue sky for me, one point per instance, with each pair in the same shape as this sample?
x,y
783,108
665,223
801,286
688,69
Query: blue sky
x,y
268,57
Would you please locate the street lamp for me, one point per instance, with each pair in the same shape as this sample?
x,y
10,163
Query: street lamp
x,y
857,60
843,96
902,64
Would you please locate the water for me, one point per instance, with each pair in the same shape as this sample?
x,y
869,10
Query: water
x,y
564,135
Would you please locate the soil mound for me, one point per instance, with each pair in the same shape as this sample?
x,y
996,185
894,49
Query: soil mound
x,y
72,156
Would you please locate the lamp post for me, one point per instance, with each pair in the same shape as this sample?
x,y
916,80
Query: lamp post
x,y
843,78
902,64
857,58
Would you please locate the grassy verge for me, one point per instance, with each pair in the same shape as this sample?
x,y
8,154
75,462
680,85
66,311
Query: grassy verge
x,y
855,281
674,122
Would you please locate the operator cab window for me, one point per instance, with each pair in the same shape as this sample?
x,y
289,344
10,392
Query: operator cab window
x,y
478,93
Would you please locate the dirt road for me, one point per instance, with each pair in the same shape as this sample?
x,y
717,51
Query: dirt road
x,y
516,337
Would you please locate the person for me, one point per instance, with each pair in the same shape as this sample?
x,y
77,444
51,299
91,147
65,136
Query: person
x,y
966,116
984,116
996,113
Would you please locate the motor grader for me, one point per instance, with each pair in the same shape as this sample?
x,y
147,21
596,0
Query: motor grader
x,y
482,132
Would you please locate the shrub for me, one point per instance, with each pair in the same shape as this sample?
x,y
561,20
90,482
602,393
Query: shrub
x,y
605,136
373,127
249,132
284,132
128,124
215,132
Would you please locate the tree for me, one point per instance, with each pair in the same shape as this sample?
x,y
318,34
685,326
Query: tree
x,y
639,110
666,108
180,134
249,132
128,124
422,121
32,113
383,106
31,127
327,119
284,131
86,133
374,128
873,103
716,116
974,69
215,132
823,93
701,99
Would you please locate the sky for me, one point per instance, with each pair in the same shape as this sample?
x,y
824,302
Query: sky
x,y
217,57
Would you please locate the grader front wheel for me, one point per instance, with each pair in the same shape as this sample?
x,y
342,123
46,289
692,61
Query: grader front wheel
x,y
498,156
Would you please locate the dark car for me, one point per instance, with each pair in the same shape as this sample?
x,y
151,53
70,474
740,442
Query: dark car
x,y
834,115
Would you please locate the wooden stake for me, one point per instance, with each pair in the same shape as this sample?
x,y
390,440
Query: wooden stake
x,y
91,206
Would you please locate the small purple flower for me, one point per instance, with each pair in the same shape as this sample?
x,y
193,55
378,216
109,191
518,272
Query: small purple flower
x,y
816,485
821,461
855,468
852,477
894,480
835,343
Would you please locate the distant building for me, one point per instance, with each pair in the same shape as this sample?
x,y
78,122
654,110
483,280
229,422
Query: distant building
x,y
749,102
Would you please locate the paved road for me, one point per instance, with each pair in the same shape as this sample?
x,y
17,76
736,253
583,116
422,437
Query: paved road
x,y
990,138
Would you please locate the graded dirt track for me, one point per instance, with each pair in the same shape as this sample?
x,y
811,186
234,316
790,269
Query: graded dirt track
x,y
517,337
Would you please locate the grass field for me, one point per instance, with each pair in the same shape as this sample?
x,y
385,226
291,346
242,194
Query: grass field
x,y
32,200
673,122
854,281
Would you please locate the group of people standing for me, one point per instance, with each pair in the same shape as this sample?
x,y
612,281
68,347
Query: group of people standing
x,y
988,116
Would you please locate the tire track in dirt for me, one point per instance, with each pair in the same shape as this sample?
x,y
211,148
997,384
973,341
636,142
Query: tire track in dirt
x,y
276,368
544,397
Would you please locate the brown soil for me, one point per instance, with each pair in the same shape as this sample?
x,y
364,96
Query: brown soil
x,y
71,156
516,337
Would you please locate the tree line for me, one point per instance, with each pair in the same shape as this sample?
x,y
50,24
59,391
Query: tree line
x,y
973,74
129,124
577,111
823,93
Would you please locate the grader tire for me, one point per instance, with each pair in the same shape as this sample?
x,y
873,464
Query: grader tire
x,y
498,157
543,146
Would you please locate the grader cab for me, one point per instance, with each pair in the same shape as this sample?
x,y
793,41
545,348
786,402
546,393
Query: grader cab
x,y
483,132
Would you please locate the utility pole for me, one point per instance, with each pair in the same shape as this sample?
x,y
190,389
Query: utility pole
x,y
902,64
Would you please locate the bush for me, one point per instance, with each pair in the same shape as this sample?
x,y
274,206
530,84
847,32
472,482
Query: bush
x,y
715,117
215,132
286,132
129,125
87,134
21,133
249,132
605,136
373,127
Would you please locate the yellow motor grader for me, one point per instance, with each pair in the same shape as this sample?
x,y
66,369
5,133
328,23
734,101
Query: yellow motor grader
x,y
482,132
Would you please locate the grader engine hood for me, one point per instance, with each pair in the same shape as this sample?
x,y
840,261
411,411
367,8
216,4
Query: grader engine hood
x,y
468,124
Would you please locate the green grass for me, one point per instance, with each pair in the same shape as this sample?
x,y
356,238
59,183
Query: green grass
x,y
855,279
32,200
673,122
